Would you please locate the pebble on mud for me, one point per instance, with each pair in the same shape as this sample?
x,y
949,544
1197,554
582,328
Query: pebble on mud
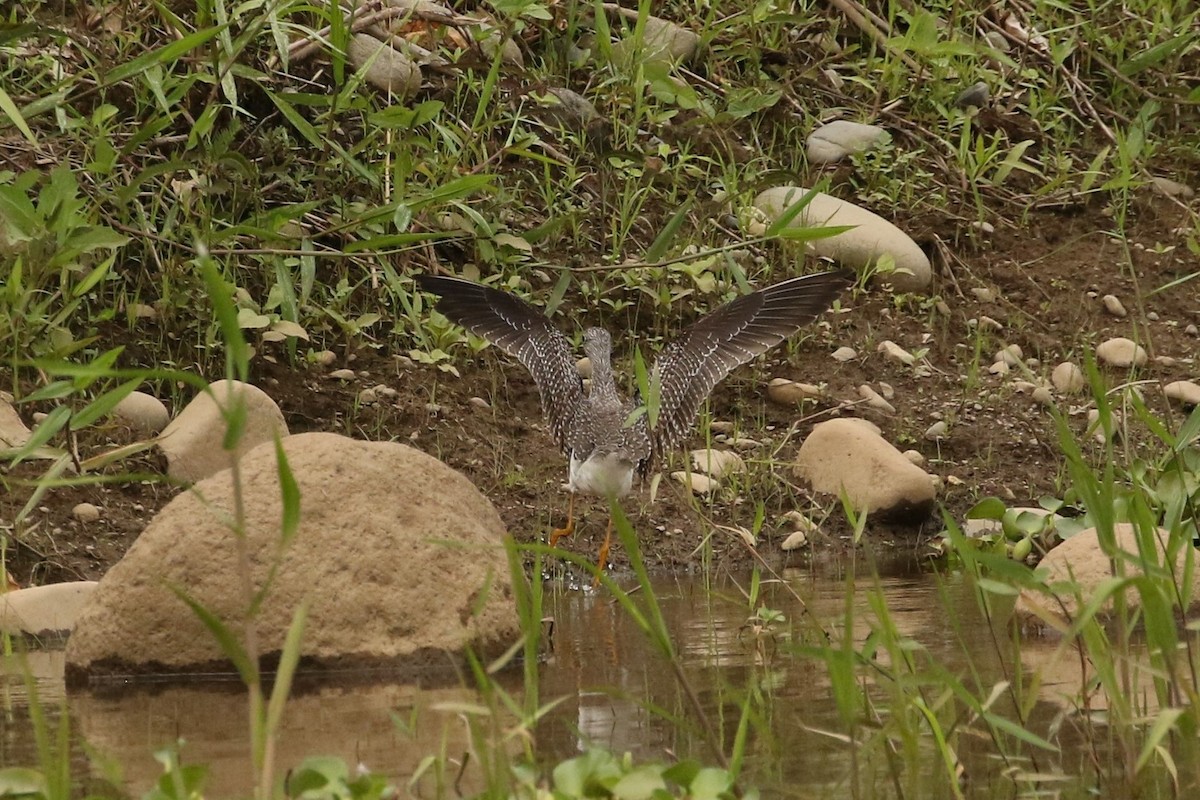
x,y
788,393
936,431
1121,352
697,483
875,399
86,512
794,541
896,352
1010,355
844,354
1068,378
1186,393
1114,306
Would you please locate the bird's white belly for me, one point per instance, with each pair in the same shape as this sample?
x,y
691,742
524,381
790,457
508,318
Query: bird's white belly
x,y
606,475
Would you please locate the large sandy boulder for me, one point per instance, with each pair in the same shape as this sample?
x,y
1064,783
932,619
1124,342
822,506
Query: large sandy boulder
x,y
1079,566
870,235
194,441
400,557
849,455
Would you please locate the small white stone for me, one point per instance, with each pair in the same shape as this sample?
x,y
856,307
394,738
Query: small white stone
x,y
1042,396
875,399
1121,352
1152,316
989,323
984,294
584,367
717,463
887,391
1186,393
1192,330
343,374
1010,355
999,368
794,541
479,402
745,443
1068,378
936,431
325,358
697,483
367,397
789,393
896,352
1113,305
85,512
914,456
844,354
721,426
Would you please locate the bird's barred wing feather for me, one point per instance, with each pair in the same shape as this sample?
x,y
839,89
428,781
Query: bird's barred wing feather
x,y
691,366
523,332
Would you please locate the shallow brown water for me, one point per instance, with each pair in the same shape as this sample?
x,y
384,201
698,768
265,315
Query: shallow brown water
x,y
613,691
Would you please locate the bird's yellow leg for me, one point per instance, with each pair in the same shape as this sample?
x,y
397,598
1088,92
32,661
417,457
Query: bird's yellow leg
x,y
558,533
602,558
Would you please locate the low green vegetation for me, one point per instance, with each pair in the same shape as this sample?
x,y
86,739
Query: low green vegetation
x,y
190,189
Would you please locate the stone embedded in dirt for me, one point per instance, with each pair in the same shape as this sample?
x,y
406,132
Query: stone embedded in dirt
x,y
794,541
721,426
987,323
193,442
936,431
835,140
1185,393
480,403
999,368
13,432
887,391
1114,306
696,482
983,294
844,354
145,414
842,455
1121,352
1082,562
914,456
368,397
799,521
325,358
896,352
974,96
1068,378
717,463
984,227
1010,355
875,399
745,443
871,237
662,40
344,374
789,393
386,68
49,610
1192,330
393,552
85,512
1042,396
1173,188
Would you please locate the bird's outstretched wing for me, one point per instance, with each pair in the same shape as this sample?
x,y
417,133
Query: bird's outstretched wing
x,y
523,332
690,366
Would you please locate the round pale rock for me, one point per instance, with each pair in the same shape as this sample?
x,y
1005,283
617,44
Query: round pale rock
x,y
1114,306
1068,378
85,512
1121,352
1042,396
394,553
1010,355
844,354
386,68
789,393
1173,188
937,431
717,463
698,483
13,432
875,400
794,541
871,237
193,441
1185,393
44,610
145,414
838,139
842,455
1081,562
662,40
896,352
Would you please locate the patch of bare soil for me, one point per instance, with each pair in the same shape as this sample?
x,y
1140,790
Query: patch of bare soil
x,y
1047,277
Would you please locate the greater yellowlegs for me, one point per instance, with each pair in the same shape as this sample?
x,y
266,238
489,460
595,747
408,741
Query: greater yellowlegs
x,y
606,442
